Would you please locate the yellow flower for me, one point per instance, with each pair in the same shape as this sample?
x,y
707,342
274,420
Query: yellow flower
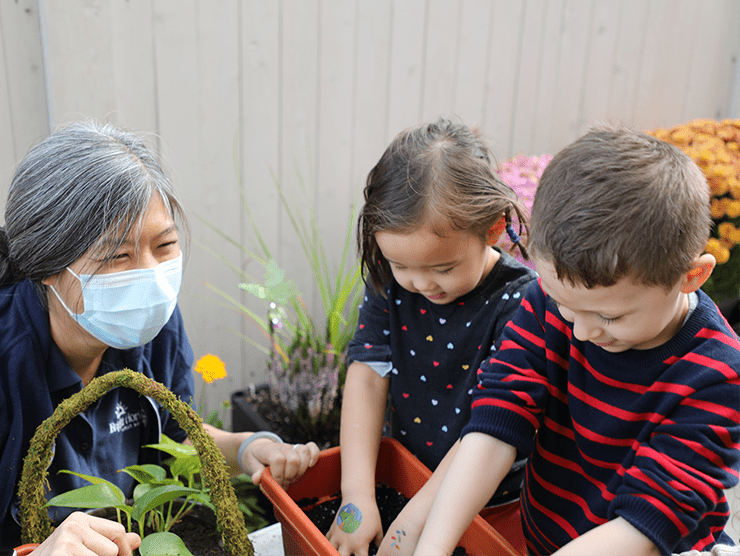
x,y
211,368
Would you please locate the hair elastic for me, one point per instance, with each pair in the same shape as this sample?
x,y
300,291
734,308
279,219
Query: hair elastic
x,y
513,236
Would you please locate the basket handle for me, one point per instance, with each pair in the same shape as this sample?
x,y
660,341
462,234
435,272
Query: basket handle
x,y
35,522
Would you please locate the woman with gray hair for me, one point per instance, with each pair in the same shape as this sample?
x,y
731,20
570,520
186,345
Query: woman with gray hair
x,y
90,270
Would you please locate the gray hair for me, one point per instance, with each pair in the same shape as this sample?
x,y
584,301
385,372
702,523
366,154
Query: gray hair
x,y
84,188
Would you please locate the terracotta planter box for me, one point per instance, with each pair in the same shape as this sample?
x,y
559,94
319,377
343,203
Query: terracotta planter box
x,y
396,468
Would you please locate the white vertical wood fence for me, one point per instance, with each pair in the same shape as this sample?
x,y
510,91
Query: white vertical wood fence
x,y
238,87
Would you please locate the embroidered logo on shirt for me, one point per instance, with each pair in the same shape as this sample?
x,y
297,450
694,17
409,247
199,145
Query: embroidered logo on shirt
x,y
125,420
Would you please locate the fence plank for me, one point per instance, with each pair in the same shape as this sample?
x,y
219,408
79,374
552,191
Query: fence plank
x,y
714,53
528,82
197,82
662,81
132,59
371,102
299,127
79,61
24,105
472,62
336,192
505,51
259,153
409,25
440,51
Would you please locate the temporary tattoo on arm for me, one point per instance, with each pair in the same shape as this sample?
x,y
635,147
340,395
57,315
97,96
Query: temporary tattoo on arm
x,y
397,538
349,518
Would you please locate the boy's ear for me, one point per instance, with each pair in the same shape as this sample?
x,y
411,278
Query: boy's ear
x,y
495,231
700,270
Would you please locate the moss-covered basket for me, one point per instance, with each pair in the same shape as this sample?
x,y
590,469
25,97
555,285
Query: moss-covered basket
x,y
35,520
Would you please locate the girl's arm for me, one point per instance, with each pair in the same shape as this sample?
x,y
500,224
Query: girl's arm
x,y
363,412
479,465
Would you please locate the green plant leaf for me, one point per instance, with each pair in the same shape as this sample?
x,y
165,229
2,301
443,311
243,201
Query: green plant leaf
x,y
173,448
185,467
163,544
147,473
141,489
98,495
163,494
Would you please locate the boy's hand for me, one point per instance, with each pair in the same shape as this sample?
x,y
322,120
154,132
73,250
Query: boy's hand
x,y
81,533
360,520
404,532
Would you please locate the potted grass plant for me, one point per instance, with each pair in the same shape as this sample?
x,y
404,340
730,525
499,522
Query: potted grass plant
x,y
304,355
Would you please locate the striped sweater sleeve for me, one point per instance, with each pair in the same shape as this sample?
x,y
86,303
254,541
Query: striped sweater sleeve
x,y
651,436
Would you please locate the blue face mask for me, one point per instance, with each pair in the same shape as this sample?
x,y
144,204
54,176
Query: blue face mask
x,y
128,309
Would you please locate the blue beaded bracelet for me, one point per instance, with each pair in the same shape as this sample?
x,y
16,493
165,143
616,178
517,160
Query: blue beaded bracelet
x,y
256,436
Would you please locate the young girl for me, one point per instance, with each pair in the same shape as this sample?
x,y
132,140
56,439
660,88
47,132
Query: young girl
x,y
438,297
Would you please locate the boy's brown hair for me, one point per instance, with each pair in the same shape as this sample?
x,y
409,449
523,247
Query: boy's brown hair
x,y
617,203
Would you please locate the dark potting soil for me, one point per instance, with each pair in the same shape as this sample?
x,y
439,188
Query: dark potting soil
x,y
198,531
390,503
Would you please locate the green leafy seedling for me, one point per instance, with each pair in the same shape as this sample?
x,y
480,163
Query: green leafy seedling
x,y
163,544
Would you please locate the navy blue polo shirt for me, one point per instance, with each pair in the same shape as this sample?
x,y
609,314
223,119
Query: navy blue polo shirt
x,y
35,377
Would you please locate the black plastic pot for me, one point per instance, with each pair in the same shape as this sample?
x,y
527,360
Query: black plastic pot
x,y
244,416
730,308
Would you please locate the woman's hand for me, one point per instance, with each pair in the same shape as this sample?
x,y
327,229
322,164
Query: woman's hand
x,y
287,462
354,539
85,535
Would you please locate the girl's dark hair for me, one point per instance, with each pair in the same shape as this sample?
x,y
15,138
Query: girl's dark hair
x,y
440,174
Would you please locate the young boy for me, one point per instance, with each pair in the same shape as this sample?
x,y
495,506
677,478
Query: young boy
x,y
618,377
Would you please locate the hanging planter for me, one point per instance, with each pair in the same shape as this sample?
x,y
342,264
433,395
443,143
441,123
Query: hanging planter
x,y
35,522
396,468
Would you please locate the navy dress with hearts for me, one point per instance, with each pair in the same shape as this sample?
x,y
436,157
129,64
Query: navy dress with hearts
x,y
434,353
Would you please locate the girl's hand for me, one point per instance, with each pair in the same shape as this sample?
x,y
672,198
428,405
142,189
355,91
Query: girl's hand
x,y
287,462
354,538
85,535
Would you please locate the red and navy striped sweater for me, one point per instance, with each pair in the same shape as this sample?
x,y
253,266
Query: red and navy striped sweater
x,y
648,435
